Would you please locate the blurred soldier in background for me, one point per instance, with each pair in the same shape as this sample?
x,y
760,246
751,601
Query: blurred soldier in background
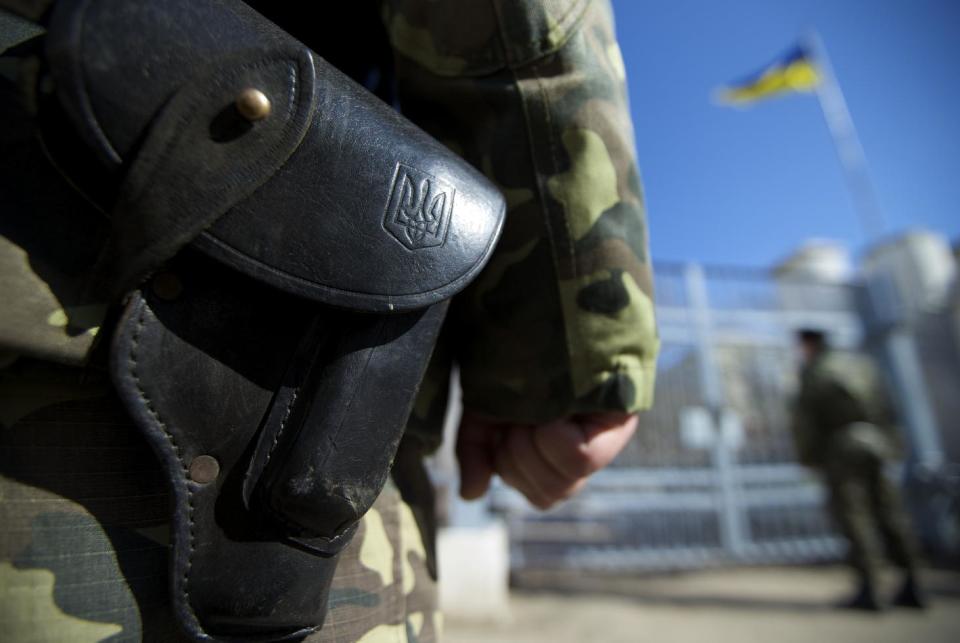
x,y
843,427
555,342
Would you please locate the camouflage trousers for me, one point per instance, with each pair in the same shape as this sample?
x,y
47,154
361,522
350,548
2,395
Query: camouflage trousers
x,y
84,514
868,508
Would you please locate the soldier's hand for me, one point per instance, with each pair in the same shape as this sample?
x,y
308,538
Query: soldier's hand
x,y
545,462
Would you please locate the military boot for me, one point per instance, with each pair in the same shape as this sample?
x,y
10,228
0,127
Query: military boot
x,y
911,594
865,599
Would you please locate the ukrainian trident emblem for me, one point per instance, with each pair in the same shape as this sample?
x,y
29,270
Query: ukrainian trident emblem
x,y
420,208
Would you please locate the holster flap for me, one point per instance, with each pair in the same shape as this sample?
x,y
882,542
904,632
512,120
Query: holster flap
x,y
333,196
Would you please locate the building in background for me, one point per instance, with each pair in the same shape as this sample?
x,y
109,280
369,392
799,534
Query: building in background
x,y
817,260
918,267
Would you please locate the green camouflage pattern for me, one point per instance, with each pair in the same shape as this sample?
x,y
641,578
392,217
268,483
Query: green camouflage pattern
x,y
533,93
843,427
84,527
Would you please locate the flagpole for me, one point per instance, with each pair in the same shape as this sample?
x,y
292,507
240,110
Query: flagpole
x,y
846,142
898,340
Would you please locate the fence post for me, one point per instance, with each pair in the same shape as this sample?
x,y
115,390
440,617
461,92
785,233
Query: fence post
x,y
925,450
733,532
889,316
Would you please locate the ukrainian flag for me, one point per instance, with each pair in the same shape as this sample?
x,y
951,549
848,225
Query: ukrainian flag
x,y
794,72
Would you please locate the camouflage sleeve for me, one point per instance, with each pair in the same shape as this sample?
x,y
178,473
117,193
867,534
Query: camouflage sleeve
x,y
534,94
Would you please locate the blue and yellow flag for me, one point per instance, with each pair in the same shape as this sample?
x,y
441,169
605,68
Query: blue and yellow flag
x,y
796,71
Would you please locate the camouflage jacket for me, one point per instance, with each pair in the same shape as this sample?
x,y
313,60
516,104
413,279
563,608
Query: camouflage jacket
x,y
837,391
534,94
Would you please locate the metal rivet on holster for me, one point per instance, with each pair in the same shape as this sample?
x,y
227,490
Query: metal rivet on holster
x,y
167,286
253,104
204,469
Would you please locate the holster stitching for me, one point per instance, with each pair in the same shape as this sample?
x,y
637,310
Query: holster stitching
x,y
148,404
283,424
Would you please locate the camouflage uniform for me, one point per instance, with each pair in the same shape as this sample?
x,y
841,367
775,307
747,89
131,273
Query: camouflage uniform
x,y
842,427
560,322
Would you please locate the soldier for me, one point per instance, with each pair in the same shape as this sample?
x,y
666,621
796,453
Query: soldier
x,y
555,341
843,428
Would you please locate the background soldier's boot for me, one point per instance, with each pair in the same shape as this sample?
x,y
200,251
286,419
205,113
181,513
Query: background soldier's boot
x,y
911,594
865,598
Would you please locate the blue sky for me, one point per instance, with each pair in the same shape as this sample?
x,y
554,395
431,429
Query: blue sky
x,y
745,187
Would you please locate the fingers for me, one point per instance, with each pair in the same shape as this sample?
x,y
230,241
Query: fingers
x,y
595,423
523,467
476,470
476,444
546,485
563,444
605,440
507,467
547,462
580,447
484,448
576,448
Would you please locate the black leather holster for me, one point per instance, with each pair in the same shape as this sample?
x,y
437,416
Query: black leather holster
x,y
285,276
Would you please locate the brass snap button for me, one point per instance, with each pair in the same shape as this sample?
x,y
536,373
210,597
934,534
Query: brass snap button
x,y
204,469
253,104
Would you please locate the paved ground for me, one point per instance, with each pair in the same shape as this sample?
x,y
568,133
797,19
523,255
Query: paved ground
x,y
771,605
